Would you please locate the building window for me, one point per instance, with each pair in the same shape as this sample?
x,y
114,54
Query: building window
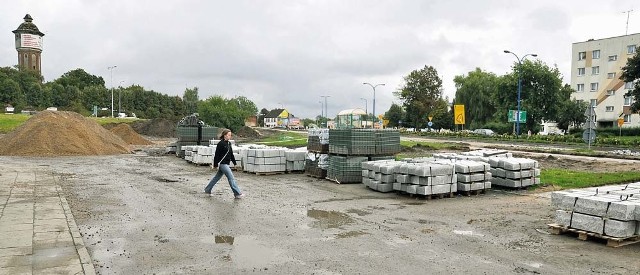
x,y
628,85
609,109
613,57
627,118
595,70
631,49
594,86
580,71
582,55
595,54
611,92
628,101
611,75
580,88
593,102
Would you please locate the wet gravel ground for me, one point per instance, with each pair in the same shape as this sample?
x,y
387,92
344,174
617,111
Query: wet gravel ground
x,y
147,214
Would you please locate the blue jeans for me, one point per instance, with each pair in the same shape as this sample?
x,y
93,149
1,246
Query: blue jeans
x,y
226,170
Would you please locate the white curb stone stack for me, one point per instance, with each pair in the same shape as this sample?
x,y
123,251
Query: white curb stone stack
x,y
265,160
295,160
473,175
426,178
610,210
514,172
379,175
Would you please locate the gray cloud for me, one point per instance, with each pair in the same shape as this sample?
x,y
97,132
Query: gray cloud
x,y
292,52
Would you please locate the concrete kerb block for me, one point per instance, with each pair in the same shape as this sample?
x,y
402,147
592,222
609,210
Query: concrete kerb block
x,y
596,206
620,229
588,223
623,210
563,217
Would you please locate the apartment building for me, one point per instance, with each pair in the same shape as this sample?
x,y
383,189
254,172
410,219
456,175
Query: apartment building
x,y
596,66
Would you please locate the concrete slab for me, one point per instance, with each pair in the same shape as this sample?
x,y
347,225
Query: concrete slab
x,y
563,217
620,229
588,223
594,205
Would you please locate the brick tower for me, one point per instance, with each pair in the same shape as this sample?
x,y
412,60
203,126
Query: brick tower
x,y
29,45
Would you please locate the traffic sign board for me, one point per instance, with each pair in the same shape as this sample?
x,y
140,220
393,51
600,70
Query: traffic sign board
x,y
620,122
430,123
512,116
590,125
589,135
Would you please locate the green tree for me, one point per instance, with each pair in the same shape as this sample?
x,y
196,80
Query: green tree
x,y
476,91
541,95
191,99
421,96
395,114
226,113
80,79
263,113
631,73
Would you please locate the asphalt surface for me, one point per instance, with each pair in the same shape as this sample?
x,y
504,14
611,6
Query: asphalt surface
x,y
146,213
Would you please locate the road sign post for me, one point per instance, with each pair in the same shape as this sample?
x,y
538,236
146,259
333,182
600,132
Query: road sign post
x,y
589,134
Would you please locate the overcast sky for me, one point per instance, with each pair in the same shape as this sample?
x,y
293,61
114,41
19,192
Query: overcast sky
x,y
289,53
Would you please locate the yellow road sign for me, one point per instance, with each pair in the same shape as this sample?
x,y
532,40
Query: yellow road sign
x,y
620,122
458,114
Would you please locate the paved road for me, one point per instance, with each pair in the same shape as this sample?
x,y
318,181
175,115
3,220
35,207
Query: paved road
x,y
144,214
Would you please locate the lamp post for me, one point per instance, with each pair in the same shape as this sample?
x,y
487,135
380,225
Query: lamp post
x,y
111,72
520,60
325,108
374,96
321,112
119,97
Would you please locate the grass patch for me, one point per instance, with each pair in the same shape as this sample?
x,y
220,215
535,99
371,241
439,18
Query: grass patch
x,y
434,145
9,122
567,179
290,139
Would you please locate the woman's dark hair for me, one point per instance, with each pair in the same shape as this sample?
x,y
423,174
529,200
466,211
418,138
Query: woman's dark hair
x,y
224,133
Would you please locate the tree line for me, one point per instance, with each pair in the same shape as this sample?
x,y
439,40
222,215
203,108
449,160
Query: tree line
x,y
79,91
487,98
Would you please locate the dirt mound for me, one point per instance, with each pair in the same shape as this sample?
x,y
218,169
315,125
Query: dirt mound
x,y
126,133
157,127
248,132
61,134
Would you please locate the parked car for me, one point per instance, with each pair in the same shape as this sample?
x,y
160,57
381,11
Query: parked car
x,y
484,132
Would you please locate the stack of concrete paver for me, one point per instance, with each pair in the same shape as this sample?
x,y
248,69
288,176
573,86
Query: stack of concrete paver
x,y
265,160
318,140
316,164
295,160
514,172
477,155
426,178
379,175
610,210
473,175
202,155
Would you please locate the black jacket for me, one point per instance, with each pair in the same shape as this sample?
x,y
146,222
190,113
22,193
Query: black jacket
x,y
224,154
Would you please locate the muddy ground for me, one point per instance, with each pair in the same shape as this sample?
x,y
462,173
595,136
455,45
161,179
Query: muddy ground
x,y
145,213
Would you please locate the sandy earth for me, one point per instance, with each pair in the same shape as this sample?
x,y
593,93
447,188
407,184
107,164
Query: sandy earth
x,y
145,213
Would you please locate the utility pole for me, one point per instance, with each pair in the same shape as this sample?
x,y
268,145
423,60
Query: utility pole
x,y
325,108
111,71
627,12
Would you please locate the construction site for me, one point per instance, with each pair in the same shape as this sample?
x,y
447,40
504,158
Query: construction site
x,y
77,197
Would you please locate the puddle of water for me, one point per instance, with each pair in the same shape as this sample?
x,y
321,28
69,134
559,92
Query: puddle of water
x,y
350,234
249,253
466,233
359,212
224,239
328,219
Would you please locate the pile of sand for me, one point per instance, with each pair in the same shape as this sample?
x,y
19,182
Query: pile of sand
x,y
51,133
126,133
248,132
157,127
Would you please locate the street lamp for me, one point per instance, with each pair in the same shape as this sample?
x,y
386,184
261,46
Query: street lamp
x,y
365,105
374,96
111,71
119,97
520,60
325,108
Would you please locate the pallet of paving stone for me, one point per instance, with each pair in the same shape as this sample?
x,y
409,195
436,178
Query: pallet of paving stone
x,y
557,229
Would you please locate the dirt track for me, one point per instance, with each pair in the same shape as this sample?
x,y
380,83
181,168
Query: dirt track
x,y
145,213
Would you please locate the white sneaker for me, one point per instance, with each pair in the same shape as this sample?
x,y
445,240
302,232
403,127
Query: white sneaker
x,y
240,196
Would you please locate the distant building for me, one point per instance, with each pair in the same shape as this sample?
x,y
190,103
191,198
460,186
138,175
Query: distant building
x,y
278,118
596,66
29,45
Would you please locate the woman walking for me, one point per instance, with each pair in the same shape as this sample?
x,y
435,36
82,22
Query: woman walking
x,y
221,159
